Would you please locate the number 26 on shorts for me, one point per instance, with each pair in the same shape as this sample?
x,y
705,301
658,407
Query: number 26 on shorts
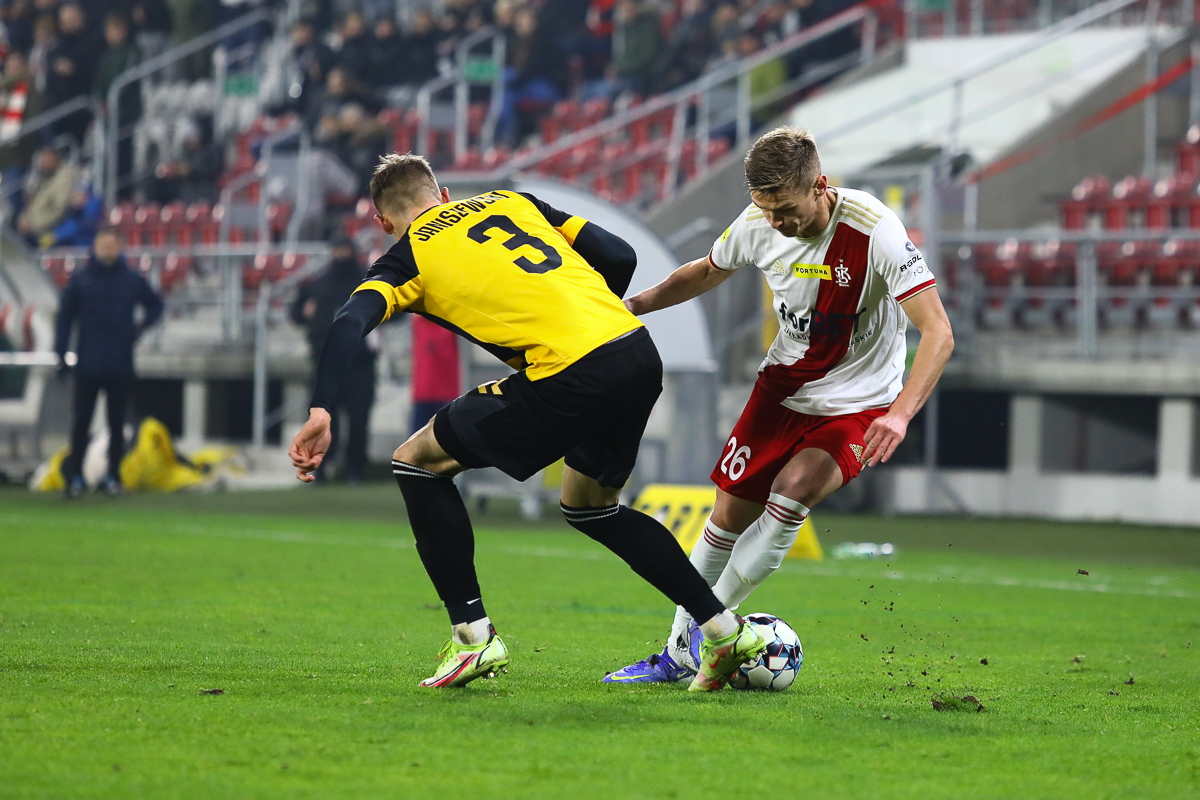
x,y
734,462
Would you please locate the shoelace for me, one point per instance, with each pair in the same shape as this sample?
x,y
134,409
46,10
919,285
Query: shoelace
x,y
445,651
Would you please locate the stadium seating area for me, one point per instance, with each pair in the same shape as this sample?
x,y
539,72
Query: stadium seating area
x,y
1142,284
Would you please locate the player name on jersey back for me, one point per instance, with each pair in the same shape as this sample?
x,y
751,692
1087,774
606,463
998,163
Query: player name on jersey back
x,y
451,214
494,269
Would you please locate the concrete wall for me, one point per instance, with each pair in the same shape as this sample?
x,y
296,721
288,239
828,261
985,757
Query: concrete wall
x,y
1171,495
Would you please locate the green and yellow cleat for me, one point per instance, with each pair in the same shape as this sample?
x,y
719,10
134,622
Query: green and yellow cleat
x,y
459,664
719,658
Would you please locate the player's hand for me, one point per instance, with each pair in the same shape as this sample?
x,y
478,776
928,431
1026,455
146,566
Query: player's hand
x,y
884,435
310,445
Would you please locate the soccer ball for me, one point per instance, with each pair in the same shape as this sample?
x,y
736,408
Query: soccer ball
x,y
778,665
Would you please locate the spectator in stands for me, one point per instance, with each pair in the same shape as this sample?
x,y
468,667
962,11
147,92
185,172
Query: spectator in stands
x,y
72,64
421,45
637,44
152,26
312,61
47,196
725,29
45,37
20,100
449,30
18,24
355,53
189,19
83,218
340,88
764,80
102,301
688,47
120,54
193,176
435,370
388,59
357,139
771,22
534,80
315,306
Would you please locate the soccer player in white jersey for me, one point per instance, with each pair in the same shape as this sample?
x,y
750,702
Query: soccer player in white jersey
x,y
830,396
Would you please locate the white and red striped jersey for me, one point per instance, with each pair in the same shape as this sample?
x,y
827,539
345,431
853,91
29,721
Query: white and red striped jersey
x,y
841,344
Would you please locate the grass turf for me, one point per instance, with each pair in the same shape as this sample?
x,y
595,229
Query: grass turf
x,y
310,611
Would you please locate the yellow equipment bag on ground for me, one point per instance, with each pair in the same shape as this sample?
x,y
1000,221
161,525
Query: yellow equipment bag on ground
x,y
685,509
150,465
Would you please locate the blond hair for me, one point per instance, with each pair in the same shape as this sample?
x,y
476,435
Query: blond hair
x,y
785,158
401,182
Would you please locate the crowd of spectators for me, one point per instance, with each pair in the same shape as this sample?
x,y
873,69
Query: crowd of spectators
x,y
343,69
56,52
555,50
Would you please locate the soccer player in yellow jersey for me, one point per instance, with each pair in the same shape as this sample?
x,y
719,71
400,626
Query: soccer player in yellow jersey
x,y
542,290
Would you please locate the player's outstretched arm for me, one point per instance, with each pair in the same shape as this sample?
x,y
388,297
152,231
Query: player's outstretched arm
x,y
362,314
691,280
937,342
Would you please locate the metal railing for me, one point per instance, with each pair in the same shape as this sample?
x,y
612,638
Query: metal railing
x,y
460,80
1080,298
986,17
955,84
700,108
148,68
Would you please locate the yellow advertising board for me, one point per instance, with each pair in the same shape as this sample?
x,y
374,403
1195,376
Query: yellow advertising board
x,y
684,510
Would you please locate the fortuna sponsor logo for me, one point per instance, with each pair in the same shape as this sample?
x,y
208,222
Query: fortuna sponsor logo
x,y
843,274
819,271
857,448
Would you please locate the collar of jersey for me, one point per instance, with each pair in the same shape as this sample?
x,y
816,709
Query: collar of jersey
x,y
830,226
426,211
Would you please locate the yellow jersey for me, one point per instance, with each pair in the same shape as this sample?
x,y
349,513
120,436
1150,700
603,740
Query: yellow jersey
x,y
497,270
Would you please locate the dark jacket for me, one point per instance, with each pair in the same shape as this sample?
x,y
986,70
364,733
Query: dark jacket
x,y
390,63
102,300
331,289
115,61
79,49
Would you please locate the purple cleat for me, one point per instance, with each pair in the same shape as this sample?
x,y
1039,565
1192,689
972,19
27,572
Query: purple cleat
x,y
658,668
662,667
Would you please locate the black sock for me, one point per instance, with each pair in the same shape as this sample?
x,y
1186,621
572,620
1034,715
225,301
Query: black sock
x,y
651,551
445,541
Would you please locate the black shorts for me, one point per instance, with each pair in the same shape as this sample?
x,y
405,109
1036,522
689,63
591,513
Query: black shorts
x,y
594,413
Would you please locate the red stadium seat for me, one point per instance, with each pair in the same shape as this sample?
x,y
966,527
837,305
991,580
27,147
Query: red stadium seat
x,y
1083,210
1129,204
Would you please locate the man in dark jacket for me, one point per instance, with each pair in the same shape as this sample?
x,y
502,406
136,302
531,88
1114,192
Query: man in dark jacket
x,y
102,300
317,303
70,66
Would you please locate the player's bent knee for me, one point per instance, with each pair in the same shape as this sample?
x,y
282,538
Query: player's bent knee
x,y
423,451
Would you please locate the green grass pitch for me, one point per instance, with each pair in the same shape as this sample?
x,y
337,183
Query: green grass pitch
x,y
309,609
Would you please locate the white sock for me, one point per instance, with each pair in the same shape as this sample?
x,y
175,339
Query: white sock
x,y
709,557
760,550
471,632
722,625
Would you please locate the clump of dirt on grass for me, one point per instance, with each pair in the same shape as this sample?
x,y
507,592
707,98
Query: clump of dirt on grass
x,y
950,702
